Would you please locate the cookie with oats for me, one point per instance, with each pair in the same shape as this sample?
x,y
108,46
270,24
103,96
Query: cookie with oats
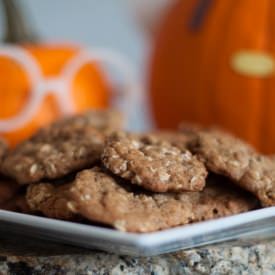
x,y
99,197
153,164
33,161
51,200
222,153
103,120
222,198
259,179
65,146
227,155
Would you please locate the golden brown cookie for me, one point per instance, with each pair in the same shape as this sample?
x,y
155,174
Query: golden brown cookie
x,y
51,200
99,197
222,153
104,120
153,164
222,191
227,155
259,179
65,146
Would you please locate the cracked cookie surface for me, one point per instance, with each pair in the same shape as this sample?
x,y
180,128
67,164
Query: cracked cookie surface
x,y
104,120
226,155
51,200
99,197
222,153
153,164
259,179
65,146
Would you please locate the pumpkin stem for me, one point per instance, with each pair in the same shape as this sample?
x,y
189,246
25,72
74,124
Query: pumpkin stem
x,y
200,14
18,29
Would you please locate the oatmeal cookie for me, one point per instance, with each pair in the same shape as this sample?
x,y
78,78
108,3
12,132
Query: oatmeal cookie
x,y
99,197
103,120
65,146
51,200
155,165
226,155
259,179
222,153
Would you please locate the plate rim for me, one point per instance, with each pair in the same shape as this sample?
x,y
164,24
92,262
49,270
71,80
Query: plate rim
x,y
144,240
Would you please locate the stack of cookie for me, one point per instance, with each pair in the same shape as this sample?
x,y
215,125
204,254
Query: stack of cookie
x,y
86,168
11,195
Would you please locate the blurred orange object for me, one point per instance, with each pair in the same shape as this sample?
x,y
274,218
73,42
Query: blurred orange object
x,y
213,63
89,88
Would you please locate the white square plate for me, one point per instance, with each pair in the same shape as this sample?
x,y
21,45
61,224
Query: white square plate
x,y
253,225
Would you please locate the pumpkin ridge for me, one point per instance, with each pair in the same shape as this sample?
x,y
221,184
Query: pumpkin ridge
x,y
210,82
265,132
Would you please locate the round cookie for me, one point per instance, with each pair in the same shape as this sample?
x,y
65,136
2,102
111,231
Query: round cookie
x,y
221,200
103,120
227,155
99,197
222,153
65,146
50,199
259,179
153,164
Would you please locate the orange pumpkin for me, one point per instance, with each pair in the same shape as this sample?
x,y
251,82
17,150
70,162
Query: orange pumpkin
x,y
213,63
89,88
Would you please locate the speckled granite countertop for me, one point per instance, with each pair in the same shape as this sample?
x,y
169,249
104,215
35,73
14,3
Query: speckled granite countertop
x,y
22,256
